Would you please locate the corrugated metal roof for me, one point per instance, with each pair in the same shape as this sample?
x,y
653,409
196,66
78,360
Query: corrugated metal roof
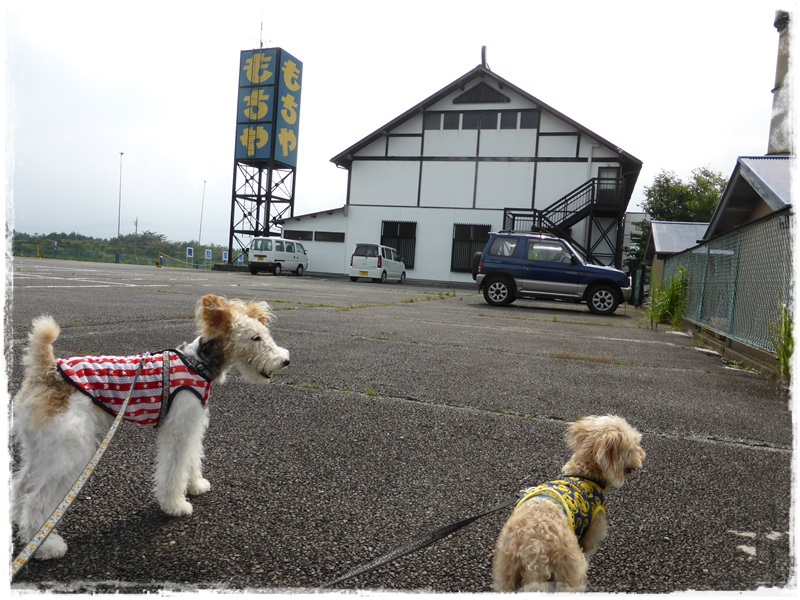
x,y
670,237
757,182
771,177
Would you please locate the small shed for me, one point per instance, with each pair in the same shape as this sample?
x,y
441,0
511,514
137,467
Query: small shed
x,y
668,238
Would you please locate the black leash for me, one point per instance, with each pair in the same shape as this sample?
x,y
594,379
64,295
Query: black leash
x,y
418,543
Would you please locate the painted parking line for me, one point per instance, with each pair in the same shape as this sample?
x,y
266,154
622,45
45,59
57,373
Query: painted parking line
x,y
76,280
754,546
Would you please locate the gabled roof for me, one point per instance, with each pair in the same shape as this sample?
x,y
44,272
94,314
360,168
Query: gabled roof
x,y
759,185
671,237
631,164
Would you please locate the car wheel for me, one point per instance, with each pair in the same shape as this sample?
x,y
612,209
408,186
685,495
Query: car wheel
x,y
253,271
403,277
299,270
602,300
476,262
353,278
277,270
383,277
498,292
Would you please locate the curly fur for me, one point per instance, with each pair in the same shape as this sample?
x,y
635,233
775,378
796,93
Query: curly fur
x,y
58,428
537,550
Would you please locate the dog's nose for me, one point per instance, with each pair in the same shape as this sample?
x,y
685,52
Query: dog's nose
x,y
286,362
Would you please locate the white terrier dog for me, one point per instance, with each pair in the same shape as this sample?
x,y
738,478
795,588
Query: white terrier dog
x,y
65,406
554,529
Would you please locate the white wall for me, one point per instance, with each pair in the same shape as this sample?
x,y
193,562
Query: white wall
x,y
396,184
323,257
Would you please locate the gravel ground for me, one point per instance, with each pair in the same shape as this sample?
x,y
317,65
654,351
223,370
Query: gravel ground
x,y
406,408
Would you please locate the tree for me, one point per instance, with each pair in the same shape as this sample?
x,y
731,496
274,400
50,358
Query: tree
x,y
670,199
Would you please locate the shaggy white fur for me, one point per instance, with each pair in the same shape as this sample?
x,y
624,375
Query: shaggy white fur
x,y
58,428
537,549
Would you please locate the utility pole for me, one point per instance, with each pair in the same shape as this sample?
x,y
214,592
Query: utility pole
x,y
119,209
202,204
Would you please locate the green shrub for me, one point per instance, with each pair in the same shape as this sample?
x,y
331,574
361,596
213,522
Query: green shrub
x,y
783,342
669,303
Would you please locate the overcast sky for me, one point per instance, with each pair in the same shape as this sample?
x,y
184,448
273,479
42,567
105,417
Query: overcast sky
x,y
678,84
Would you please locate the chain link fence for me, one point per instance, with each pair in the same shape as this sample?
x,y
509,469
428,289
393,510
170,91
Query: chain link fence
x,y
738,281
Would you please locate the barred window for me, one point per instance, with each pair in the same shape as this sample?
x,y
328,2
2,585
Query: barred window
x,y
402,236
467,240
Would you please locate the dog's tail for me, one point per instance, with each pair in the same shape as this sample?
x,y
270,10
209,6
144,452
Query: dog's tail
x,y
39,359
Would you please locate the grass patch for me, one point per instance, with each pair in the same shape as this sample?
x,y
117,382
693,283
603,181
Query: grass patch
x,y
601,360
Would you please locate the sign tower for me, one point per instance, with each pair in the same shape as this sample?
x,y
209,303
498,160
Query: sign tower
x,y
265,156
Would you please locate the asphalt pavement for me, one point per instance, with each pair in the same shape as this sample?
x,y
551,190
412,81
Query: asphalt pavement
x,y
405,408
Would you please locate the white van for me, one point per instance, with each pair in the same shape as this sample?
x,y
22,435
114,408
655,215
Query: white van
x,y
377,262
276,255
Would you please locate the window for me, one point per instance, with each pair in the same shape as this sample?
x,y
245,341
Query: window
x,y
290,247
548,252
329,236
367,250
469,121
262,245
278,246
432,120
608,185
529,119
508,120
401,235
503,246
451,120
467,240
299,235
489,120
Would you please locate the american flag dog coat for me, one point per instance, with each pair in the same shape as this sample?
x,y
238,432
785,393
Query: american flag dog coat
x,y
106,380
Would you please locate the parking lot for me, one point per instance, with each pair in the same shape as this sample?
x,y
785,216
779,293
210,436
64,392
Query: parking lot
x,y
407,407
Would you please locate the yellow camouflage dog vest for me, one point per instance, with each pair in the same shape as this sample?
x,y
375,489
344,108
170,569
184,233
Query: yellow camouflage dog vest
x,y
579,498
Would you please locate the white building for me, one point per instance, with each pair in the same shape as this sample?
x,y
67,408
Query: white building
x,y
480,155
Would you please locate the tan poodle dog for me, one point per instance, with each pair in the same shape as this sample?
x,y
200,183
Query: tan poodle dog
x,y
546,543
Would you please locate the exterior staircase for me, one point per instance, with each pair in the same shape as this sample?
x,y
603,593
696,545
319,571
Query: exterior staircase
x,y
594,198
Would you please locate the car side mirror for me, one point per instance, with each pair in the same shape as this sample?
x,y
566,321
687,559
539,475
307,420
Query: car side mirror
x,y
574,260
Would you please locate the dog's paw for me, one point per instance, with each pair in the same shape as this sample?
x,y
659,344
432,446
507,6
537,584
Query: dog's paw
x,y
198,486
177,508
53,547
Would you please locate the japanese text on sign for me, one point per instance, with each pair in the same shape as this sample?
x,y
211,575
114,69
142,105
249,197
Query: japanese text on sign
x,y
268,115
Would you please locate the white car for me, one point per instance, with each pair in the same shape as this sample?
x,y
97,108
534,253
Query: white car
x,y
276,255
376,262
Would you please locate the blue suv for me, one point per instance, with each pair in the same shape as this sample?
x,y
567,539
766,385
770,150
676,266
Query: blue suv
x,y
517,264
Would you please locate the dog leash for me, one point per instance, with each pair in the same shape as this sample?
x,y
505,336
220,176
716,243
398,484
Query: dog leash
x,y
22,559
420,542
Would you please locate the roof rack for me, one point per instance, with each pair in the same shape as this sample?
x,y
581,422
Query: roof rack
x,y
534,230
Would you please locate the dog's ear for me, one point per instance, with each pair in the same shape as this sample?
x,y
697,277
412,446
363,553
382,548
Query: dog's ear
x,y
578,432
610,450
214,315
259,311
